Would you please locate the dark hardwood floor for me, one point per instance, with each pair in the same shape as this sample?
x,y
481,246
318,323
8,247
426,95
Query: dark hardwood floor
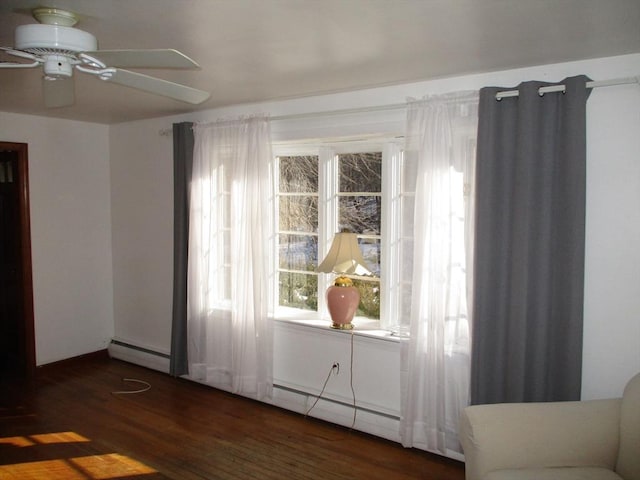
x,y
67,424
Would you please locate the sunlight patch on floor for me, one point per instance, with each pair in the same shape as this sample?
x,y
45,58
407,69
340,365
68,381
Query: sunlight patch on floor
x,y
17,441
112,465
95,467
43,439
92,467
61,437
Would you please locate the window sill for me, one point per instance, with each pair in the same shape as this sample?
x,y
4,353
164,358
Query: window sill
x,y
362,327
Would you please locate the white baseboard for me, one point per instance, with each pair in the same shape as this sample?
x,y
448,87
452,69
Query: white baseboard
x,y
139,355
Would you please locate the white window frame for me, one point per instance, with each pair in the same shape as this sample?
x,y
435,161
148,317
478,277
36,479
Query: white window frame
x,y
390,278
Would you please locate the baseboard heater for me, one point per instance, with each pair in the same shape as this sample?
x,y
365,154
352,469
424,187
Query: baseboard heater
x,y
337,402
139,355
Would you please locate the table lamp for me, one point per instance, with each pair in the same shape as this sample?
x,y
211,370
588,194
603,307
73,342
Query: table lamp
x,y
344,258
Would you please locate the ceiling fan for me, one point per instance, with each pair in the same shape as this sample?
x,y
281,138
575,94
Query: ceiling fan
x,y
60,49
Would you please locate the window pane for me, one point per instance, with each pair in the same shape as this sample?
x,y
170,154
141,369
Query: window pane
x,y
369,298
298,290
299,174
360,172
298,252
299,213
360,214
370,249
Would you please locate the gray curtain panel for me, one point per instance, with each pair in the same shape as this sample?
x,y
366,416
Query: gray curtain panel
x,y
529,257
182,165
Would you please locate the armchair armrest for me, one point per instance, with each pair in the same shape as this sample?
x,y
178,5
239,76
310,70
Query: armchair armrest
x,y
533,435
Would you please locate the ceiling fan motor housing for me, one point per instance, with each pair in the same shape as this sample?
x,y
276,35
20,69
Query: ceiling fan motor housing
x,y
42,39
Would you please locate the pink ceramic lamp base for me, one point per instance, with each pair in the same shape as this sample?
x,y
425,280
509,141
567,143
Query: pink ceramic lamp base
x,y
342,303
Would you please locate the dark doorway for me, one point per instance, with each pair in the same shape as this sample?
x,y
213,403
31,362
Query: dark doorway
x,y
17,342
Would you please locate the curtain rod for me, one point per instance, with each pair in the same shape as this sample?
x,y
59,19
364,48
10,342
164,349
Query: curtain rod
x,y
499,95
326,113
397,106
562,88
344,111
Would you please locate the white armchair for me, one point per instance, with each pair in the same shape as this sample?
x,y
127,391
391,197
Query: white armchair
x,y
596,439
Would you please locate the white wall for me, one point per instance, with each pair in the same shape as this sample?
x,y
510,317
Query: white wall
x,y
142,196
70,233
142,236
612,286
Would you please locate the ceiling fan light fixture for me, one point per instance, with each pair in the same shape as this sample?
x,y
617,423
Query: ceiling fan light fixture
x,y
57,66
55,16
38,38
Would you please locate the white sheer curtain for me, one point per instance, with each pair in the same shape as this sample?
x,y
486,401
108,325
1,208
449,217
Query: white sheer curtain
x,y
231,235
437,258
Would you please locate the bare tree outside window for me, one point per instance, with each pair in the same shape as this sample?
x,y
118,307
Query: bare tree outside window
x,y
359,211
298,227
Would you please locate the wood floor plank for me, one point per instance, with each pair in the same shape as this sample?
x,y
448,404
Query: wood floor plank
x,y
185,431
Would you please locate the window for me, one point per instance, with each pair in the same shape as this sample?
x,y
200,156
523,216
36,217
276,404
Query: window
x,y
325,189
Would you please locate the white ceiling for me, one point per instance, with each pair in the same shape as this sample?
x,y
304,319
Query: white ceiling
x,y
255,50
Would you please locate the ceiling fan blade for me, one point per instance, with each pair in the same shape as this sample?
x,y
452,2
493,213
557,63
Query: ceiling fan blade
x,y
18,53
18,65
157,86
160,58
58,92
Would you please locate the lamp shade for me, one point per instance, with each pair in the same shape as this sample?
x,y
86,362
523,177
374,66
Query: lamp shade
x,y
344,256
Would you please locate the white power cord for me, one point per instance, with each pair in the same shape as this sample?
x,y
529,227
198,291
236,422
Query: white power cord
x,y
353,392
146,387
336,366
